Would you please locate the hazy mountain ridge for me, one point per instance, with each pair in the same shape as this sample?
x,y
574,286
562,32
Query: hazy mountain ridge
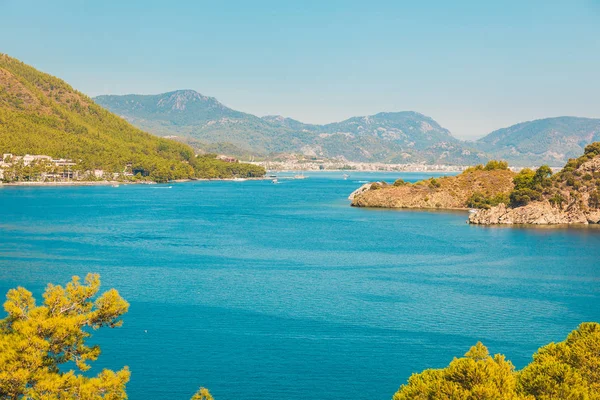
x,y
398,137
391,137
549,140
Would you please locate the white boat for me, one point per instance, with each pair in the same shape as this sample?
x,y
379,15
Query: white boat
x,y
239,179
472,211
115,185
345,176
275,181
300,176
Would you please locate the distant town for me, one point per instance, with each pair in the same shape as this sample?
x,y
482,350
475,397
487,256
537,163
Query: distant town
x,y
44,168
342,165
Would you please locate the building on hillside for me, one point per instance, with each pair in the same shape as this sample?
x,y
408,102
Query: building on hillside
x,y
227,159
63,162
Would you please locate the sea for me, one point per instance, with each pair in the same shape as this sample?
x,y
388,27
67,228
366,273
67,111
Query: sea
x,y
280,291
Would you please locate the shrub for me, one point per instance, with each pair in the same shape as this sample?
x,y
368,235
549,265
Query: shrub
x,y
563,370
474,168
523,179
434,183
594,200
557,200
400,182
496,165
479,200
522,197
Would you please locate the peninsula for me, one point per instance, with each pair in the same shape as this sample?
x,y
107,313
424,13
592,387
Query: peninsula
x,y
572,196
479,186
497,195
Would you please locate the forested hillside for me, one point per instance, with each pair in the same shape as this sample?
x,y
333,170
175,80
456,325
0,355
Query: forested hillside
x,y
41,114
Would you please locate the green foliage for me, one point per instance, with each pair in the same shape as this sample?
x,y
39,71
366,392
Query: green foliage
x,y
522,197
37,342
474,168
524,179
400,182
566,370
557,200
202,394
434,183
479,200
591,151
496,165
41,114
529,185
475,376
542,176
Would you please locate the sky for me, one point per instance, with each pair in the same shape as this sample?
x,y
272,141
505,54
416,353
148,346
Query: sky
x,y
473,66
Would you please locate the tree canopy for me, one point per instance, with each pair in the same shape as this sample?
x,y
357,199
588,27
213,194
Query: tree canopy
x,y
39,342
41,114
565,370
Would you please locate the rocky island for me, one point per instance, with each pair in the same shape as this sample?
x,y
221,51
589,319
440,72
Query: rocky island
x,y
501,196
476,187
572,196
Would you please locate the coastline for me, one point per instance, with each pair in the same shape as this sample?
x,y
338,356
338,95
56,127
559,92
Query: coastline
x,y
111,183
72,183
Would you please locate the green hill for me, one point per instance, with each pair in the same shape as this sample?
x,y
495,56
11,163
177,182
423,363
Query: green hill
x,y
41,114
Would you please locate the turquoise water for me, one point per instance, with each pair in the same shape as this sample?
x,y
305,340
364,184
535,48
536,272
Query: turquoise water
x,y
262,291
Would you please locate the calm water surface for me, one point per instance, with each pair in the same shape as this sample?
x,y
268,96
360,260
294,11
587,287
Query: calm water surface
x,y
262,291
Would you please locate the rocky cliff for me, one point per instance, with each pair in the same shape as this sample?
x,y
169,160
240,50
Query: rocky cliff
x,y
536,213
571,196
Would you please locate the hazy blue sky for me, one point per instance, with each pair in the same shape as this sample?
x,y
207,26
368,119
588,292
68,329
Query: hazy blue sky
x,y
474,66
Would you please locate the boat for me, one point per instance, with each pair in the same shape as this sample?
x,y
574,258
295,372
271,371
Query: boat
x,y
115,185
300,176
239,179
345,176
472,211
275,181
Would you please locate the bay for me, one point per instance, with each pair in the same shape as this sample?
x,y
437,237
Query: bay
x,y
262,291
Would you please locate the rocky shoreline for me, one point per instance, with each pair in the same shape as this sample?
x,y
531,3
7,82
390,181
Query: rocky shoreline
x,y
535,213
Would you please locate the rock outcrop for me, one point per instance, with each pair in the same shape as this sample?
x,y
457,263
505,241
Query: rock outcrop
x,y
359,191
535,213
571,196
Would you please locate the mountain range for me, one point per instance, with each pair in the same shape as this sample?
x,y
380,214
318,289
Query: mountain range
x,y
394,137
389,137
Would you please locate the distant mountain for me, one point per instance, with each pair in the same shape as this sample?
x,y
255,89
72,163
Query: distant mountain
x,y
395,137
545,141
384,137
189,114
